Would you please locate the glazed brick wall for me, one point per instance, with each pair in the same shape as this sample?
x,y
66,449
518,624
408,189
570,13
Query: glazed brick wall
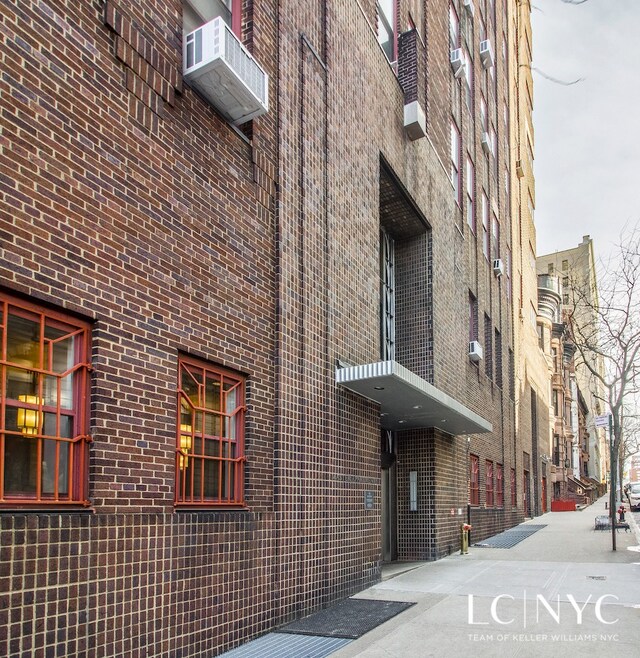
x,y
414,307
131,203
128,201
105,585
327,446
434,340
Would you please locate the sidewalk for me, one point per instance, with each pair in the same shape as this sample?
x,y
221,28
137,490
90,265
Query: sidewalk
x,y
560,590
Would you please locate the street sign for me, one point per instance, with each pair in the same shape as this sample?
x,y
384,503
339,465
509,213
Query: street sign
x,y
602,421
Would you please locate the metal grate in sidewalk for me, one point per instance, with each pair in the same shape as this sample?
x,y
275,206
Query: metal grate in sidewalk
x,y
511,537
350,618
322,633
285,645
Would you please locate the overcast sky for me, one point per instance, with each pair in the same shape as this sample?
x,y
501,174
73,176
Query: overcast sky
x,y
587,135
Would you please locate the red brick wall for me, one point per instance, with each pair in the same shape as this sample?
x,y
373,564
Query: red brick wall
x,y
129,201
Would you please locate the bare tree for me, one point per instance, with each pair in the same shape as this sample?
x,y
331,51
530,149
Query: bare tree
x,y
605,325
630,444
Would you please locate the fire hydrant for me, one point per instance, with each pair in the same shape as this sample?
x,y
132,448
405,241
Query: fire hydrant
x,y
464,538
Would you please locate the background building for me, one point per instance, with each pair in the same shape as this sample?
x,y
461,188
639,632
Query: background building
x,y
576,271
532,369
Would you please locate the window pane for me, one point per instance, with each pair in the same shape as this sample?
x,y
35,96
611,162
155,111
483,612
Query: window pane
x,y
49,467
212,393
20,463
23,351
386,32
190,385
454,29
198,12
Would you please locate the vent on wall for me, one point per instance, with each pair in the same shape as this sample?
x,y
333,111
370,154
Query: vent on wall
x,y
225,73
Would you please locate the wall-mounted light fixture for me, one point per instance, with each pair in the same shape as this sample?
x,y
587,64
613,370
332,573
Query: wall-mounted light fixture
x,y
185,445
29,420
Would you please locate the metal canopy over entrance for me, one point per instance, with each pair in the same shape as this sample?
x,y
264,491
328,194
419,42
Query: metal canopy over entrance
x,y
407,401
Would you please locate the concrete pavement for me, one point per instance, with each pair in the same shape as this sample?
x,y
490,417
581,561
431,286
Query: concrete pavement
x,y
561,590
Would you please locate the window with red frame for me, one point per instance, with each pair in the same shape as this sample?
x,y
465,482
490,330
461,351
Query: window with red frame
x,y
499,486
44,364
474,480
209,435
489,484
198,12
513,487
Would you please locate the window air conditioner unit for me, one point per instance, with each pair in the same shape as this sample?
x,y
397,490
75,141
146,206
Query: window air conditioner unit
x,y
457,62
415,121
224,72
498,267
469,6
485,140
486,54
475,351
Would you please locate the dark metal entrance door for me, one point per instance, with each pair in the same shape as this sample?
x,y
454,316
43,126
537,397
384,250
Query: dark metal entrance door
x,y
389,514
527,497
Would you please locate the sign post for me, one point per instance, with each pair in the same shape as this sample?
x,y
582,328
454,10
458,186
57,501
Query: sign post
x,y
607,421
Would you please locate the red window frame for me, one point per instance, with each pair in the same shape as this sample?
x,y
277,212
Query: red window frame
x,y
499,485
513,488
236,18
54,461
210,448
474,480
489,483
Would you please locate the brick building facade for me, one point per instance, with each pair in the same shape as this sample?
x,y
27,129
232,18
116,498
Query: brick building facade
x,y
237,357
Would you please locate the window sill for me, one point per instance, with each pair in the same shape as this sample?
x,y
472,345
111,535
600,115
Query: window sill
x,y
53,509
205,509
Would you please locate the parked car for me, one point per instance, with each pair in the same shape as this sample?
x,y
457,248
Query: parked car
x,y
633,494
